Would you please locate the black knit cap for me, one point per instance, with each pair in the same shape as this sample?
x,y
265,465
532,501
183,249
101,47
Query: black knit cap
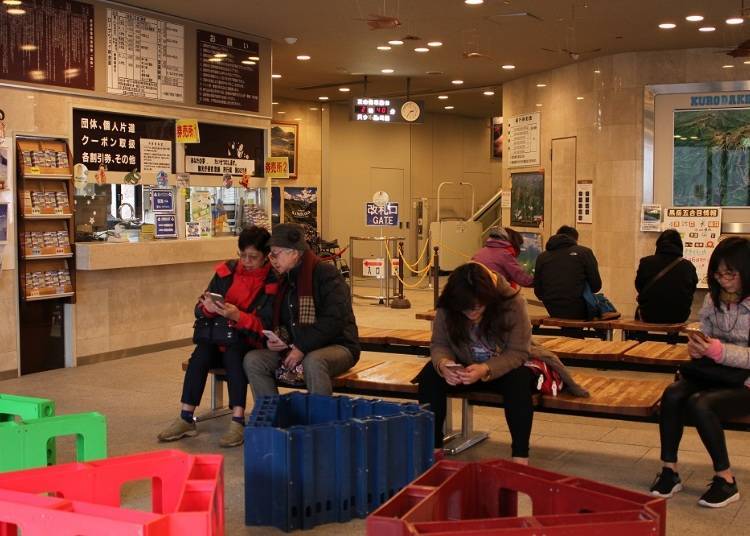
x,y
288,235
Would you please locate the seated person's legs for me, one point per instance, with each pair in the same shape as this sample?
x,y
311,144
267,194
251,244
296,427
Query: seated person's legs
x,y
323,364
259,368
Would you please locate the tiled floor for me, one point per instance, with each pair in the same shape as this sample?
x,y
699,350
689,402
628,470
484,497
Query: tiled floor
x,y
139,395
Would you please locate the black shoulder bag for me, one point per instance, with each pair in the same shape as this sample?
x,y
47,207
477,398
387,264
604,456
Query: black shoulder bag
x,y
664,271
216,329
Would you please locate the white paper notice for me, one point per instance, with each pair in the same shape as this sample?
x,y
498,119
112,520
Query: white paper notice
x,y
156,155
145,57
523,133
219,166
700,229
584,201
651,218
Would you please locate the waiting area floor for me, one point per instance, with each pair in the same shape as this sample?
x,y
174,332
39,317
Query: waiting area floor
x,y
140,395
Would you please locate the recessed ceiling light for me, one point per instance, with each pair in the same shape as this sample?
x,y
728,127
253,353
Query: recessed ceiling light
x,y
12,2
707,29
220,55
735,20
509,67
746,62
597,71
693,137
694,18
215,59
457,82
421,49
728,66
395,42
29,48
281,113
274,103
384,47
323,97
303,57
442,97
344,89
253,58
488,93
15,11
314,109
579,98
248,62
448,107
298,119
667,25
473,2
386,71
538,104
541,85
275,76
435,44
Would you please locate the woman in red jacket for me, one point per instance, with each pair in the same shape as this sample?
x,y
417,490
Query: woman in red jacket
x,y
241,283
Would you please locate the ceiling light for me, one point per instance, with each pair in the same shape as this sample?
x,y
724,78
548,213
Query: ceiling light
x,y
728,66
435,44
15,11
248,62
448,107
473,2
323,98
667,25
693,137
694,18
597,71
579,98
489,93
707,29
281,113
384,47
746,62
303,57
395,42
421,49
344,89
220,55
253,58
541,85
735,20
12,2
442,97
29,48
215,59
457,82
538,104
314,109
386,71
298,119
509,67
274,103
275,76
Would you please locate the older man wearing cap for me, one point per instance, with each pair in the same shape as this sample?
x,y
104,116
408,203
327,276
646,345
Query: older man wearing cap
x,y
312,316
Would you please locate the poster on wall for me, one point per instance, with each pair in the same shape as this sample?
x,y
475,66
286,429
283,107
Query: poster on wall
x,y
3,224
275,205
584,201
710,164
523,136
114,140
227,71
224,149
156,155
496,137
651,218
4,164
52,43
527,199
284,139
301,206
531,248
200,211
145,57
700,229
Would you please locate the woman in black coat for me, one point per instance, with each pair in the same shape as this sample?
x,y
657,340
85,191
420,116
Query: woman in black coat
x,y
668,299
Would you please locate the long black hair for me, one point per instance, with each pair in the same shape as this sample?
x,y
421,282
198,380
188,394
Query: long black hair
x,y
471,285
735,252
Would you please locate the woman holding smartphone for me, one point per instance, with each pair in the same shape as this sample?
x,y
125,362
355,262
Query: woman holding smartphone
x,y
723,337
236,293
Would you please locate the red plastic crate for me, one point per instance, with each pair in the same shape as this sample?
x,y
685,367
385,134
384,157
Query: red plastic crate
x,y
83,499
482,499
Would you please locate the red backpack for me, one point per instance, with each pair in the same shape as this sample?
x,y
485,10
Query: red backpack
x,y
548,380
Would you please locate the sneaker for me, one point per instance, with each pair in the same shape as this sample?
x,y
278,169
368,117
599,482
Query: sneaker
x,y
234,437
720,493
666,484
177,430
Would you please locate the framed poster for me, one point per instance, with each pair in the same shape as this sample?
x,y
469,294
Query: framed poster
x,y
284,141
301,206
224,149
527,199
3,223
496,137
530,249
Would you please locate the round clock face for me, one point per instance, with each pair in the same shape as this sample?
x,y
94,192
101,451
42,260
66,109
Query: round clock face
x,y
410,111
380,198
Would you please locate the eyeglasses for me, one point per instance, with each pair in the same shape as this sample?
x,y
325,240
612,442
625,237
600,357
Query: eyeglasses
x,y
278,252
729,274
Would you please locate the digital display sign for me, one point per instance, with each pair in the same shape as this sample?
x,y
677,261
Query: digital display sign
x,y
381,110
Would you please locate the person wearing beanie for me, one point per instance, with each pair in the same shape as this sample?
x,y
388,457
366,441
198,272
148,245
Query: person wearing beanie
x,y
665,282
311,315
500,253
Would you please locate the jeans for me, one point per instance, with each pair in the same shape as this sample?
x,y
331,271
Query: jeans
x,y
706,407
515,386
319,367
207,356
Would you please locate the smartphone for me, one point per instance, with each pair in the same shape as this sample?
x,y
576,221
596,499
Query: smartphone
x,y
271,336
454,366
218,299
697,332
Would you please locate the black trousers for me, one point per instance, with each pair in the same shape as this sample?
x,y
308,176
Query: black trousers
x,y
207,356
706,407
515,387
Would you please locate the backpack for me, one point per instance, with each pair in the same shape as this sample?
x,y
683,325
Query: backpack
x,y
598,306
546,380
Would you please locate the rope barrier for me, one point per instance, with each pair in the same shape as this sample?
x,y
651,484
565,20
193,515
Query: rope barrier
x,y
421,256
419,281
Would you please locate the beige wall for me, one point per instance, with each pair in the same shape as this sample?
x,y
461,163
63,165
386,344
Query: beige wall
x,y
608,125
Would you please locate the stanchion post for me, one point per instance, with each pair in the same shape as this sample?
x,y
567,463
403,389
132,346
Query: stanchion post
x,y
400,302
436,276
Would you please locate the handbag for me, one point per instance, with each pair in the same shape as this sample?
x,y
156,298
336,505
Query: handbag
x,y
214,330
598,306
706,370
650,284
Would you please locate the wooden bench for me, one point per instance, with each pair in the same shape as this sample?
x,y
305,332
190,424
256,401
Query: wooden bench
x,y
396,341
645,331
660,354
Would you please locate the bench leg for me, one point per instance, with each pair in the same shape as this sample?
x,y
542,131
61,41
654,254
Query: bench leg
x,y
468,437
218,409
449,433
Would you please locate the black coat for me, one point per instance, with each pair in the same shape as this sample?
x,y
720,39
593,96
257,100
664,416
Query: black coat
x,y
560,276
668,300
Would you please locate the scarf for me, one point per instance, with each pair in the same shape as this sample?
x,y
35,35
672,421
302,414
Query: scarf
x,y
305,300
729,297
246,284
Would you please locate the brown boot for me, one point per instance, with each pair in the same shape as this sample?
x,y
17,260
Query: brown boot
x,y
234,436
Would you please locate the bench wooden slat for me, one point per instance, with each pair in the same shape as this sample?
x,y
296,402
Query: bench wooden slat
x,y
364,363
613,396
637,325
657,353
536,320
394,376
408,337
594,349
567,323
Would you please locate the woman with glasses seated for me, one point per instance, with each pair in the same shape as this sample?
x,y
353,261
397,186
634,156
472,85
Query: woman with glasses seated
x,y
723,338
241,283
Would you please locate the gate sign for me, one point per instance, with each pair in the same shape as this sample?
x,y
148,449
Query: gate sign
x,y
386,215
373,268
